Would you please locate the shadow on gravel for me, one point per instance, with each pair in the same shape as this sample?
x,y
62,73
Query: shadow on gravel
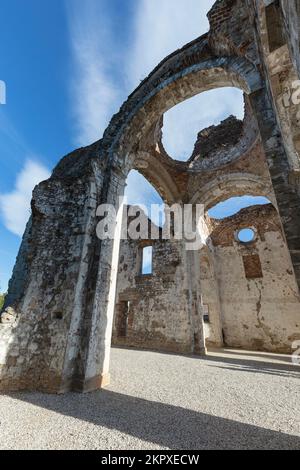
x,y
161,424
244,361
254,366
253,355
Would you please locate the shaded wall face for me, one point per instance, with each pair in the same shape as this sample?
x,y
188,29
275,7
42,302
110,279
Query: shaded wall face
x,y
279,36
291,12
33,344
276,34
45,328
211,300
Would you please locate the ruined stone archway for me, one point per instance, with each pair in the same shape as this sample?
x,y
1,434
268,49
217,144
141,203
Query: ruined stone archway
x,y
57,322
231,185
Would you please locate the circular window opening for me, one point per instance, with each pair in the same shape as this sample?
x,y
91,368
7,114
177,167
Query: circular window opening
x,y
246,235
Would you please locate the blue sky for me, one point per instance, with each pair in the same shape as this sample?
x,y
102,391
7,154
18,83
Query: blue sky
x,y
68,66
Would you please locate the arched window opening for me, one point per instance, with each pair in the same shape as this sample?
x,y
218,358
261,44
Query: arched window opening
x,y
183,123
147,260
233,205
139,192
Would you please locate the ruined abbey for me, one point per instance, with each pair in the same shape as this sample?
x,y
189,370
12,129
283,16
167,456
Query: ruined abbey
x,y
72,295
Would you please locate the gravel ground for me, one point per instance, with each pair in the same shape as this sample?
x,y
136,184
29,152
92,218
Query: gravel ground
x,y
230,400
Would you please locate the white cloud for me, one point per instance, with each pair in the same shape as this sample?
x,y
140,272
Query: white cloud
x,y
15,206
139,191
105,71
161,27
99,73
95,95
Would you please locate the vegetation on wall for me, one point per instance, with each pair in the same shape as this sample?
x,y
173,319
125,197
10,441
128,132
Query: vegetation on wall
x,y
2,298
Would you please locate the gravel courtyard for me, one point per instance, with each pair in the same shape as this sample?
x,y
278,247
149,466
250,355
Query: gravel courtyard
x,y
230,400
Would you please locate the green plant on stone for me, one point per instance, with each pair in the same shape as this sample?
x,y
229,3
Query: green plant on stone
x,y
2,298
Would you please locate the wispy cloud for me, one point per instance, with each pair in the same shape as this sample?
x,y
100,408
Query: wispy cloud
x,y
95,93
13,144
15,206
161,27
157,28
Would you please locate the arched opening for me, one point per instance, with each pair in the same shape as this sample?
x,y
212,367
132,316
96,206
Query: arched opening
x,y
147,260
131,132
139,266
139,192
183,122
233,205
151,282
143,138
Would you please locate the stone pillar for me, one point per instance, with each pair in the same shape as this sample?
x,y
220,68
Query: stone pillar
x,y
55,327
287,196
193,278
100,310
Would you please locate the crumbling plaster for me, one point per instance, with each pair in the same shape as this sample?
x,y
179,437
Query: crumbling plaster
x,y
256,313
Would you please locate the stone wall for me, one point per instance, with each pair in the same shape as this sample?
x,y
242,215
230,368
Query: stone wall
x,y
158,316
153,310
225,135
55,330
291,12
282,153
48,292
259,301
248,290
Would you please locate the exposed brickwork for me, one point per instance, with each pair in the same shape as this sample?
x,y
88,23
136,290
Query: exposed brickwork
x,y
226,135
220,13
263,218
252,265
291,13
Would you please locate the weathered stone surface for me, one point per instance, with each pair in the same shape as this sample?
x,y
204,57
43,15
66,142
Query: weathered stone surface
x,y
248,290
8,316
210,140
56,327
